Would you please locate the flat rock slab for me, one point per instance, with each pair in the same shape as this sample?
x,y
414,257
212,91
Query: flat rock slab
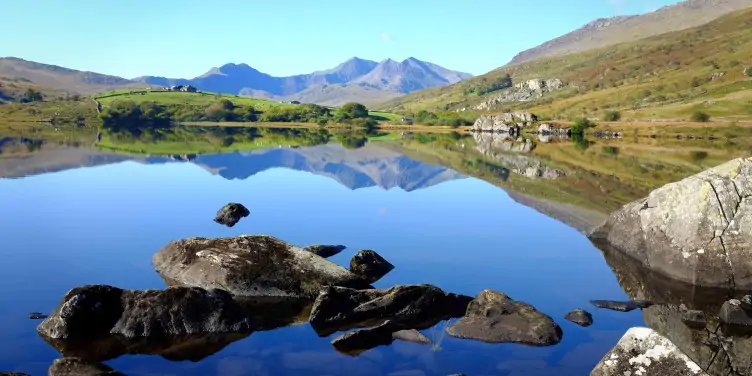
x,y
96,311
494,317
251,265
580,317
80,367
324,251
697,230
230,214
644,352
408,306
621,306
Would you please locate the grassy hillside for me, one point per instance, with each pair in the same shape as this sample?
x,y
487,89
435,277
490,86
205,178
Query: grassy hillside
x,y
667,76
59,78
53,106
610,31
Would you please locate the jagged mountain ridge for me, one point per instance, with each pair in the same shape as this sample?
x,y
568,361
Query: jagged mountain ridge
x,y
349,81
610,31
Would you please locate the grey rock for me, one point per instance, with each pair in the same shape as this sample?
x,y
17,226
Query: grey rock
x,y
37,316
627,306
580,317
80,367
369,265
525,91
697,230
494,317
96,311
359,341
231,214
642,351
324,251
411,335
734,312
251,265
548,129
409,306
693,317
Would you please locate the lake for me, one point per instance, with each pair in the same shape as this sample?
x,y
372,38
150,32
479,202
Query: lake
x,y
460,212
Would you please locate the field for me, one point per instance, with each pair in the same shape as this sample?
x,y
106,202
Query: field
x,y
186,98
669,76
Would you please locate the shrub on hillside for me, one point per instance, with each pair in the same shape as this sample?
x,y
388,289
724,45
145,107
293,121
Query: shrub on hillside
x,y
612,116
700,117
581,124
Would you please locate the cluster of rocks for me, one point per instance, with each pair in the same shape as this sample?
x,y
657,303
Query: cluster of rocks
x,y
606,134
508,122
504,149
525,91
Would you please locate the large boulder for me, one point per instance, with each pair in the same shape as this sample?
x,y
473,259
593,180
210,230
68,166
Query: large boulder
x,y
231,214
406,306
697,230
96,311
494,317
251,265
80,367
324,251
508,122
369,265
642,351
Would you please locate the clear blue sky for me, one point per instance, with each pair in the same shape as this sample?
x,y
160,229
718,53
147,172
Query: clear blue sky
x,y
185,38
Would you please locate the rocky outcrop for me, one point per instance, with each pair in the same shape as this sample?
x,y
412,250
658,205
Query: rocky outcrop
x,y
324,251
80,367
231,214
697,230
642,351
406,306
495,317
525,91
369,265
251,265
509,122
580,317
95,311
489,143
547,129
498,148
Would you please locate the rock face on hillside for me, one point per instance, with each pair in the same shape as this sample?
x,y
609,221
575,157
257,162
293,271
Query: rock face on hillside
x,y
251,265
697,230
525,91
642,351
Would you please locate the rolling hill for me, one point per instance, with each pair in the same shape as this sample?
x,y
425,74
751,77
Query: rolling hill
x,y
609,31
356,80
63,79
705,68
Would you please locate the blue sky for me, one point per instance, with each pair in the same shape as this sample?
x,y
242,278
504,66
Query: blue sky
x,y
185,38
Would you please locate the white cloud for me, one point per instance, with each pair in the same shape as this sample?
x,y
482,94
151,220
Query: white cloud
x,y
386,37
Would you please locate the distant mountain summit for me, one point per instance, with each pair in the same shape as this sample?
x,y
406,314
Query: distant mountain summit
x,y
609,31
354,80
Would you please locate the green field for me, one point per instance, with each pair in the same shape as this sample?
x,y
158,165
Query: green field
x,y
185,98
669,76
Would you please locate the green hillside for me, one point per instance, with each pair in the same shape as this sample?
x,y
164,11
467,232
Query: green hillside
x,y
669,76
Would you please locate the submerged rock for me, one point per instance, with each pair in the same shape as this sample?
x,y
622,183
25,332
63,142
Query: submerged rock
x,y
37,316
251,265
370,265
580,317
324,251
697,230
642,351
495,317
411,335
96,311
409,306
80,367
231,214
359,341
627,306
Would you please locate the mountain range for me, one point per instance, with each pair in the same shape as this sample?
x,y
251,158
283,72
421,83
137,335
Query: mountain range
x,y
610,31
354,80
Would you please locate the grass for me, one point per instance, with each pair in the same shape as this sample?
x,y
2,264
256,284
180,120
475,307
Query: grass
x,y
666,76
201,99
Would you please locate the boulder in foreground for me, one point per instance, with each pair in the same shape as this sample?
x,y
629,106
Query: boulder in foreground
x,y
642,351
95,311
494,317
251,265
697,230
406,306
231,214
369,265
325,251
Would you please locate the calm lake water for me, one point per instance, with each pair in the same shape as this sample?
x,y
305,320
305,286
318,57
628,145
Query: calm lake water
x,y
76,216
